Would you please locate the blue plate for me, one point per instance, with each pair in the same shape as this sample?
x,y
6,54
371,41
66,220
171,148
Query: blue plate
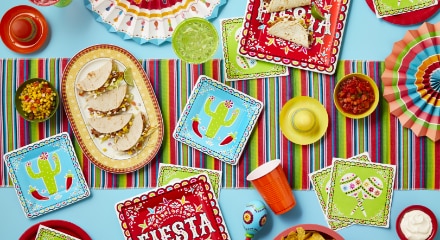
x,y
218,120
46,175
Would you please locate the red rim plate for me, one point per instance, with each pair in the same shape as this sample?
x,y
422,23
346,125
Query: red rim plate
x,y
60,225
23,10
408,18
423,209
326,232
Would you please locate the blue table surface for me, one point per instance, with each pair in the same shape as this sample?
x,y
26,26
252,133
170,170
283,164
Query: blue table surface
x,y
73,28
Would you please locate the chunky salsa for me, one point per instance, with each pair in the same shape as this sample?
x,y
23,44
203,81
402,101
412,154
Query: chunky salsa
x,y
355,95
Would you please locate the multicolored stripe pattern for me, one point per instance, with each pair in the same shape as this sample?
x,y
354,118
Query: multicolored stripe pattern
x,y
417,158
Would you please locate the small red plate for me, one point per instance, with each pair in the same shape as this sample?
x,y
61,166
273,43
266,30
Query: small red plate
x,y
423,209
24,11
60,225
326,232
408,18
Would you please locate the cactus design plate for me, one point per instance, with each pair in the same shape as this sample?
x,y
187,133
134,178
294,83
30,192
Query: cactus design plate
x,y
218,120
46,175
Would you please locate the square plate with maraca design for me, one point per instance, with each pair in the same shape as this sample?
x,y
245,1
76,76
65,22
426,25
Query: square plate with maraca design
x,y
46,175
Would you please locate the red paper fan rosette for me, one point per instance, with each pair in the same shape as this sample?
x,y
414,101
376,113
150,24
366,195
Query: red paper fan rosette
x,y
150,20
412,80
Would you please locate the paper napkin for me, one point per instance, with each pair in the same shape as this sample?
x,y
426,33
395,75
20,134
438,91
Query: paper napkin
x,y
394,7
170,173
321,184
237,67
45,233
360,192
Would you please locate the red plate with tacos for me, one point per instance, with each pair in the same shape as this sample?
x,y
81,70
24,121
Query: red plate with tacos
x,y
112,108
322,31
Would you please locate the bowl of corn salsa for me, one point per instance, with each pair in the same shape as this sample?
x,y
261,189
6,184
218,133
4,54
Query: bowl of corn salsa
x,y
356,95
36,100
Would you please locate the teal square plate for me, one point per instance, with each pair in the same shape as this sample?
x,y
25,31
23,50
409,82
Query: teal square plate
x,y
218,120
46,175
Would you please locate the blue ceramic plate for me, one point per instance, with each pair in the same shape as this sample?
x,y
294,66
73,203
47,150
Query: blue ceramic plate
x,y
46,175
218,120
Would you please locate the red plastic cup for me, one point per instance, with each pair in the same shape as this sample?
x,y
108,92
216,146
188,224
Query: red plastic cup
x,y
270,181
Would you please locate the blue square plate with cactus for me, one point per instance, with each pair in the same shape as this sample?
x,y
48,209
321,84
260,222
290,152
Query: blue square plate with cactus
x,y
46,175
218,120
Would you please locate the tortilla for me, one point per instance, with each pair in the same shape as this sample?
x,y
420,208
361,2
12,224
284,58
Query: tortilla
x,y
290,30
96,78
130,139
110,124
281,5
109,100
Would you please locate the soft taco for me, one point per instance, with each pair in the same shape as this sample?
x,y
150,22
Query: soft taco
x,y
134,139
291,29
281,5
111,127
105,77
110,102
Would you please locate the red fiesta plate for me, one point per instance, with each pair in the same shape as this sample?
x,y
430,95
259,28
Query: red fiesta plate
x,y
327,233
40,29
187,209
59,225
420,208
321,56
408,18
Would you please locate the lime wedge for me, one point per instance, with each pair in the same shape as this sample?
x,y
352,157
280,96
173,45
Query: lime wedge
x,y
128,76
316,13
195,40
63,3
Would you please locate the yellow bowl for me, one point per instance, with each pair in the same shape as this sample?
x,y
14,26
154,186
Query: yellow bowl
x,y
26,114
371,107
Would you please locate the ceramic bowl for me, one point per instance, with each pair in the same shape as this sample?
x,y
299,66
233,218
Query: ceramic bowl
x,y
420,208
326,232
372,106
18,102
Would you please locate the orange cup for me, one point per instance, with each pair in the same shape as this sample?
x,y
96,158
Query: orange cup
x,y
270,181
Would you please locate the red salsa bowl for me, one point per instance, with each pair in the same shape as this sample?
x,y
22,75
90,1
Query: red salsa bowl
x,y
356,95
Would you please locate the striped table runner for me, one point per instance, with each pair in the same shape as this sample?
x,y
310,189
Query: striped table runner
x,y
381,134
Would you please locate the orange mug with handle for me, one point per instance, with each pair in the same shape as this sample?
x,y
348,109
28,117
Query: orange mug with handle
x,y
270,181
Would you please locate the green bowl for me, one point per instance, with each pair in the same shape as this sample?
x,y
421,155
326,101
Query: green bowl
x,y
18,102
195,40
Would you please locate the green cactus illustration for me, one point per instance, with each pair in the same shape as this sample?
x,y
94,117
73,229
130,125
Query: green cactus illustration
x,y
218,117
47,174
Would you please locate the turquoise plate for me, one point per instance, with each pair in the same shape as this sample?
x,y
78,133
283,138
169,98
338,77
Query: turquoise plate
x,y
218,120
46,175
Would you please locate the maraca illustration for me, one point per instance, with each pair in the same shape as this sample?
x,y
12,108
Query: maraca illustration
x,y
371,188
350,184
254,218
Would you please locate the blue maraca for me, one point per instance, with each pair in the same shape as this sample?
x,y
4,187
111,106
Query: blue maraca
x,y
254,218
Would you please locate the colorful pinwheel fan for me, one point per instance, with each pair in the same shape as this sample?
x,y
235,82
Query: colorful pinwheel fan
x,y
412,80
